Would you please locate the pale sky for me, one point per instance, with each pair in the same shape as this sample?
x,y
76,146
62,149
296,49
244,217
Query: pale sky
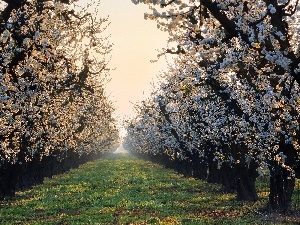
x,y
135,43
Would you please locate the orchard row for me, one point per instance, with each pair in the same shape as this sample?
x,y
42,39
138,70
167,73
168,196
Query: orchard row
x,y
53,110
228,108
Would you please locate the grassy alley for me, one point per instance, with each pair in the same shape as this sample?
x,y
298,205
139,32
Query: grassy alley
x,y
126,190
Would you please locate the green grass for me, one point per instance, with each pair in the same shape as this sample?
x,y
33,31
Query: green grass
x,y
126,190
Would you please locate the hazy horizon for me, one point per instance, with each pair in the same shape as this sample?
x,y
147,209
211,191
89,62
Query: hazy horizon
x,y
135,43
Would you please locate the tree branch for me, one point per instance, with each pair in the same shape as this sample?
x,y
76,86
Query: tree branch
x,y
166,4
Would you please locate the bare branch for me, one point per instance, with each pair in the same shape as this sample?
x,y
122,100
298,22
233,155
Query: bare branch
x,y
179,50
166,4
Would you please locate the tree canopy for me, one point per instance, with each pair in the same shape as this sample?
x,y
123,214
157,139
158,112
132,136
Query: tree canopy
x,y
53,68
233,90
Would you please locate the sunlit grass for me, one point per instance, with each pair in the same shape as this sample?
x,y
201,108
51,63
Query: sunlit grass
x,y
125,190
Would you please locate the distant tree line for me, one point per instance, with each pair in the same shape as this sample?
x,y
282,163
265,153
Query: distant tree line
x,y
54,113
228,108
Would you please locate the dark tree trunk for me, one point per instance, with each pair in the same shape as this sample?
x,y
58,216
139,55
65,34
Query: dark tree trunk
x,y
183,167
199,166
200,170
282,180
214,174
49,165
297,170
282,185
8,179
163,159
30,174
228,178
245,182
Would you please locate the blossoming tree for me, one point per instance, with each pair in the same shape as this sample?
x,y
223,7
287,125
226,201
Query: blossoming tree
x,y
53,67
248,54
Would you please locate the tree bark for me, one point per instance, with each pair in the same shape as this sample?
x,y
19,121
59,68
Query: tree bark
x,y
214,174
245,182
227,178
7,180
281,189
199,166
282,179
183,167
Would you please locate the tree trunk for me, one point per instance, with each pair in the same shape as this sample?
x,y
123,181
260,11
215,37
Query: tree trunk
x,y
297,170
8,178
245,182
200,170
183,167
227,177
282,185
199,166
214,174
282,179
